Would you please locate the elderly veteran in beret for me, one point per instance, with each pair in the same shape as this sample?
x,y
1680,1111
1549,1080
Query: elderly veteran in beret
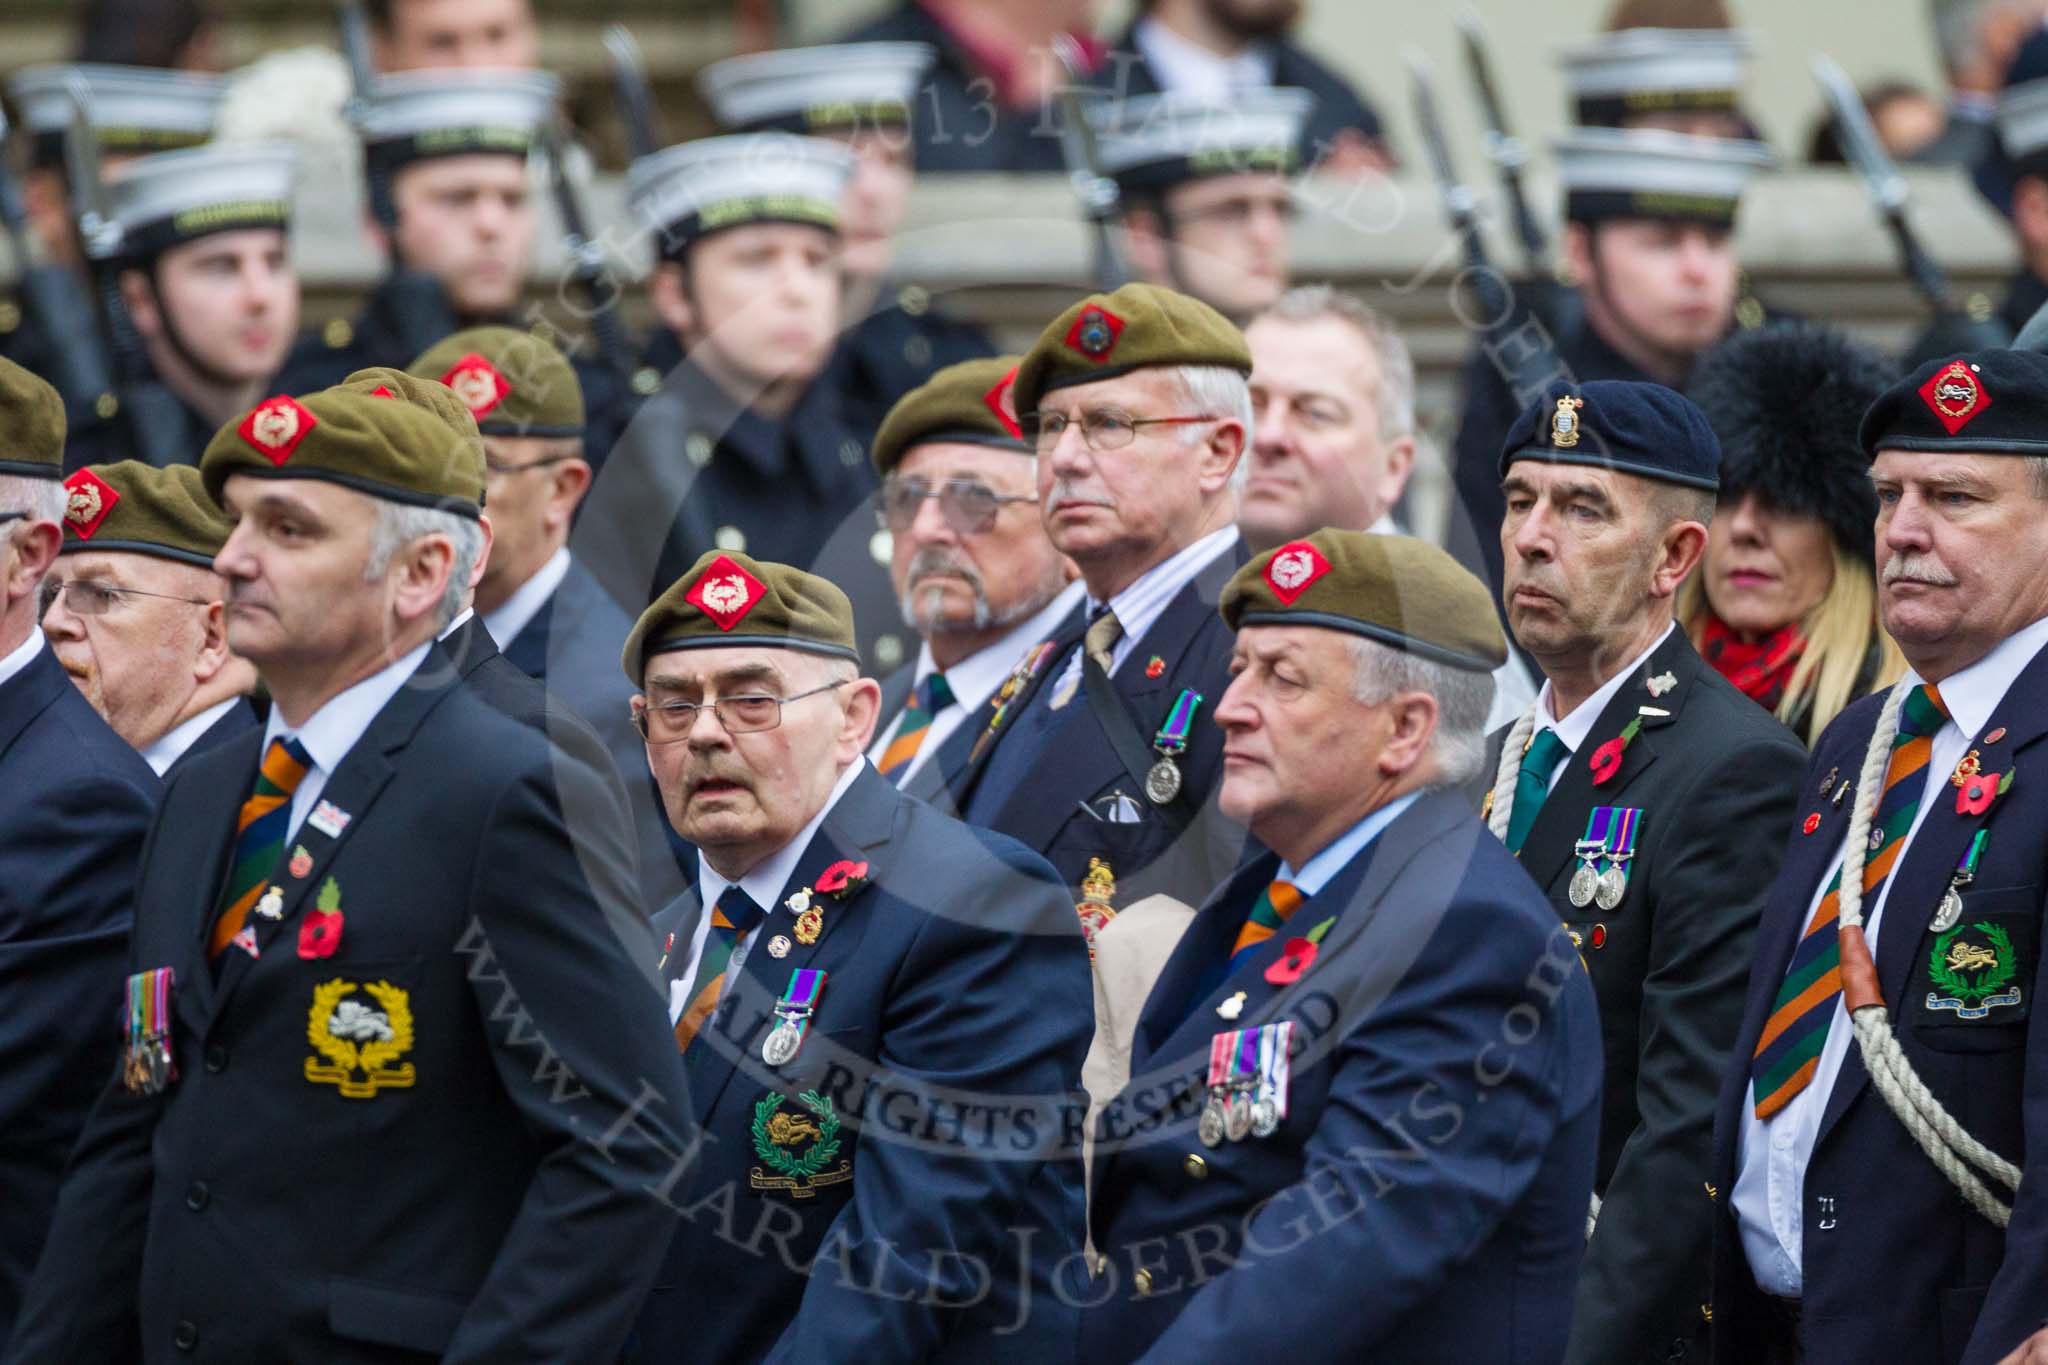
x,y
1928,799
1371,1060
882,1013
979,580
1784,604
134,610
75,803
1105,755
1649,799
392,935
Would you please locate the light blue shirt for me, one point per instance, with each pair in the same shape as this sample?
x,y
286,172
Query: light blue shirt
x,y
330,732
1315,874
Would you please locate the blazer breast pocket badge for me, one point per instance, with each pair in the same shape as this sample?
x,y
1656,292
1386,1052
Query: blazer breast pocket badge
x,y
798,1146
1602,874
1976,972
361,1031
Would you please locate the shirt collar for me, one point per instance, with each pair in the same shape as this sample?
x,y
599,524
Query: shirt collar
x,y
1140,604
171,745
456,624
1315,874
24,654
764,883
975,678
1972,693
330,732
1574,728
516,612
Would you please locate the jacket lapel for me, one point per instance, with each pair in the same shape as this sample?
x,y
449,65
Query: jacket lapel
x,y
207,813
1064,639
1205,944
29,693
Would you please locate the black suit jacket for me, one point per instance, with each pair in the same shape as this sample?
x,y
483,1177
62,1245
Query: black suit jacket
x,y
946,1050
1878,1216
1073,763
1715,779
476,1189
75,802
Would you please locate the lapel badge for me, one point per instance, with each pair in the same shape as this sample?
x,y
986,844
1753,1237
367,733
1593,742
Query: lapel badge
x,y
1995,735
778,946
301,863
799,901
1564,423
329,819
1842,791
666,949
1827,783
1967,767
1155,666
320,931
1232,1007
1097,906
245,939
1661,684
271,906
1812,823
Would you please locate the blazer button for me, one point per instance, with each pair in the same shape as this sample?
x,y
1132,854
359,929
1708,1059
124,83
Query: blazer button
x,y
185,1336
216,1057
198,1196
1142,1282
1196,1168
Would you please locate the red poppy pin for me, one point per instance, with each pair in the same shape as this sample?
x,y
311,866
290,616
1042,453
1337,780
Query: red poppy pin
x,y
1980,791
320,931
1606,760
1155,667
1294,959
1812,823
841,879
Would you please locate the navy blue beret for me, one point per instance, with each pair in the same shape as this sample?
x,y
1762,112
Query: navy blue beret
x,y
1620,424
1991,401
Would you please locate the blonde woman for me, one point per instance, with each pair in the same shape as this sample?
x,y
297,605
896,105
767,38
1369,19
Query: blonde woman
x,y
1784,604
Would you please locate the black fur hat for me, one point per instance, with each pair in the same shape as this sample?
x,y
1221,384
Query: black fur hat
x,y
1785,401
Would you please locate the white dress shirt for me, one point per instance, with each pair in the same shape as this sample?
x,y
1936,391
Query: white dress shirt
x,y
1770,1180
763,886
1574,728
1186,68
1145,600
171,746
22,655
330,732
974,679
516,612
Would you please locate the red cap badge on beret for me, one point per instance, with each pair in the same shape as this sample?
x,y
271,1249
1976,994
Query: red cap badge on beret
x,y
998,400
725,592
382,392
1095,332
87,500
276,427
1955,395
478,383
1293,568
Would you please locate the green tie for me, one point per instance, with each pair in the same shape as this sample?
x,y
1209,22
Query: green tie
x,y
1532,784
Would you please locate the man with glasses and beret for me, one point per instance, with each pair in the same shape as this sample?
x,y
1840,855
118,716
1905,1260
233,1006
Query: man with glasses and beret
x,y
881,1011
1103,754
136,613
978,579
75,805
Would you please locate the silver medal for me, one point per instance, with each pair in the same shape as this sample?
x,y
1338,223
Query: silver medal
x,y
1265,1117
1585,882
1162,782
1948,912
1210,1129
1237,1119
781,1043
1613,886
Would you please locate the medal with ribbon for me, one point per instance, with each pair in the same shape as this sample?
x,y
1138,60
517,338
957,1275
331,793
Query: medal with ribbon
x,y
793,1016
1210,1129
1610,839
1026,669
1162,783
1271,1105
146,1066
1951,908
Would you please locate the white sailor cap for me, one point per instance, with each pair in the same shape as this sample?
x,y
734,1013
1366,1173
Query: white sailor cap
x,y
1153,142
1638,71
132,108
413,115
818,89
162,200
1653,173
698,188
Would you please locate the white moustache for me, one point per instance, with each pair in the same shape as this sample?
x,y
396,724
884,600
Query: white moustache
x,y
1064,494
1906,568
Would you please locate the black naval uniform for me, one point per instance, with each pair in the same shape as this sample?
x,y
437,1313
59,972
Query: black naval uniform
x,y
899,345
2025,292
695,471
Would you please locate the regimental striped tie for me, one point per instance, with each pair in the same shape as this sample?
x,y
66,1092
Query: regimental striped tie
x,y
1270,913
259,838
1788,1052
932,695
734,915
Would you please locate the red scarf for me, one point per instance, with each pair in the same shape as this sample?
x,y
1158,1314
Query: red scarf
x,y
1759,669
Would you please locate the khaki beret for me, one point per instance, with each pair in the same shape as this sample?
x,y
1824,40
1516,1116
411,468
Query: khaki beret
x,y
729,599
967,403
381,381
31,425
387,447
1403,592
1105,335
513,382
131,505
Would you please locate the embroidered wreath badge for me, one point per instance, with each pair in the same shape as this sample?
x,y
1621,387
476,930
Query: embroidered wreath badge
x,y
1946,965
771,1139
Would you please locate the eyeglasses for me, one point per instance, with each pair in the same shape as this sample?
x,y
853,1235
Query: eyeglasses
x,y
500,467
746,714
970,508
1101,428
85,597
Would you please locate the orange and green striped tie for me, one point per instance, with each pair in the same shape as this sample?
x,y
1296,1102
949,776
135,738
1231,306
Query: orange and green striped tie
x,y
1270,913
734,915
259,838
932,695
1788,1052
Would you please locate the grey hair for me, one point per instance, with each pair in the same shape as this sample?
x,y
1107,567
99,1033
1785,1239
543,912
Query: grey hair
x,y
42,499
1395,393
400,524
1463,700
2039,465
1217,390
